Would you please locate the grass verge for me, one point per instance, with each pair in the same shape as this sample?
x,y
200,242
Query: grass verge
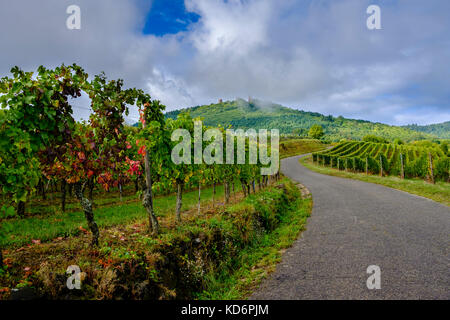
x,y
20,231
293,147
439,192
216,254
260,259
47,222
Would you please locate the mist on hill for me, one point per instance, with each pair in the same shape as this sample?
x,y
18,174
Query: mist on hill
x,y
259,114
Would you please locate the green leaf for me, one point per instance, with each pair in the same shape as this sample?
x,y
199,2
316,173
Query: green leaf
x,y
10,212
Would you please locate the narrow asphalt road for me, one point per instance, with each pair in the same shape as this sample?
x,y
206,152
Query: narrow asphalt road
x,y
354,225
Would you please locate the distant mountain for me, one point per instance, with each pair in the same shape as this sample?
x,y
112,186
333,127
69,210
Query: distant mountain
x,y
262,115
441,130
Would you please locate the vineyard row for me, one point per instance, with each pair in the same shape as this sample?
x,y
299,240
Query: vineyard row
x,y
387,159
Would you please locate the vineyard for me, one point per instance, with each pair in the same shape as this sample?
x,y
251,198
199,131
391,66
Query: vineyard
x,y
406,161
43,149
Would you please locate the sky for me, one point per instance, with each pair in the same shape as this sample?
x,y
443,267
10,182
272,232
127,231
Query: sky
x,y
314,55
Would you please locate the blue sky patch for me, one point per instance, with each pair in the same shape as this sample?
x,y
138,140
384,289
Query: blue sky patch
x,y
168,17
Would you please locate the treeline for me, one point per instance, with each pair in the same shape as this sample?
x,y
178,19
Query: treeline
x,y
441,130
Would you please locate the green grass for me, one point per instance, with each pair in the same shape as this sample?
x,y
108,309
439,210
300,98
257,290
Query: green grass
x,y
293,147
251,254
52,206
439,192
18,231
259,260
47,222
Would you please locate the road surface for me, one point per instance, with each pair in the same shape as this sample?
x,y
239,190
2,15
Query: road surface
x,y
354,225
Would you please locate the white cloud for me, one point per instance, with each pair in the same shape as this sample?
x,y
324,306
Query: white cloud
x,y
235,26
424,115
169,89
317,55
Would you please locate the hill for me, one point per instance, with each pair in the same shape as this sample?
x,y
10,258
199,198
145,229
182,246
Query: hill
x,y
262,115
441,130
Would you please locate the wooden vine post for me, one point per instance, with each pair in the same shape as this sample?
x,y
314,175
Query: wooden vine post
x,y
226,187
448,179
381,166
199,197
147,199
338,164
214,195
63,195
431,168
367,166
402,169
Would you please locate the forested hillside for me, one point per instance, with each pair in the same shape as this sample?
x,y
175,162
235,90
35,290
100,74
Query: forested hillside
x,y
260,115
441,130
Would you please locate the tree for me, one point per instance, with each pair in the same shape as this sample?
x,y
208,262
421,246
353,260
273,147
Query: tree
x,y
374,138
96,151
444,147
19,168
37,121
200,170
153,138
299,132
180,173
316,131
35,124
